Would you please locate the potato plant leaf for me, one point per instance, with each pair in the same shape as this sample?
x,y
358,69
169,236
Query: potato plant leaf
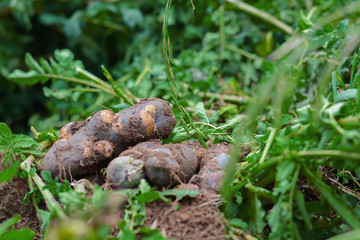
x,y
8,223
26,78
10,172
22,234
200,111
5,131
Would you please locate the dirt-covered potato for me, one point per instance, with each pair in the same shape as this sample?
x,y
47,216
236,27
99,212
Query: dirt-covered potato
x,y
139,150
214,151
125,172
85,147
212,172
70,129
170,164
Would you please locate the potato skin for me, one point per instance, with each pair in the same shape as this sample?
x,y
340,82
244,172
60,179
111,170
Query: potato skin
x,y
105,135
170,164
125,172
212,172
70,129
214,151
151,118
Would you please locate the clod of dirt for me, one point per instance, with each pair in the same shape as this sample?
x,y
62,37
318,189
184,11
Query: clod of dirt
x,y
169,164
194,219
87,147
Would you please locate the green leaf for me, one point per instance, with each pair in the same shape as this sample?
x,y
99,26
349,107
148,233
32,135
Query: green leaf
x,y
22,234
346,95
200,111
22,141
7,158
8,223
46,176
300,201
285,118
32,64
5,131
10,172
125,232
151,234
73,199
351,235
144,186
45,217
147,197
27,78
333,199
239,223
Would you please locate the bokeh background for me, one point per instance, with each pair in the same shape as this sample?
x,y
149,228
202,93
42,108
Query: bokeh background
x,y
217,49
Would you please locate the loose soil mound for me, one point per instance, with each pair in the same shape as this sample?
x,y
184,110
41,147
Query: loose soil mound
x,y
187,219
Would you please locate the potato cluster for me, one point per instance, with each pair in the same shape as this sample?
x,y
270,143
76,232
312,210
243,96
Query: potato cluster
x,y
169,165
85,147
130,141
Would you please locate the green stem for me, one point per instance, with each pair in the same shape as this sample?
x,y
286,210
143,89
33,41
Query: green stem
x,y
32,189
329,153
222,32
49,198
116,88
268,145
243,52
144,72
91,77
81,81
262,15
227,98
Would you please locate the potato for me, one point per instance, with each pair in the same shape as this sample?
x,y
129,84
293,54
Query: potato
x,y
170,164
85,147
79,156
212,172
70,129
125,172
214,151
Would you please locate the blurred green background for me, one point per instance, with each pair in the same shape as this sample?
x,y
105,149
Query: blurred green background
x,y
217,48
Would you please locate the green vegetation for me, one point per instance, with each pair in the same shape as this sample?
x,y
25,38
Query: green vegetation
x,y
279,78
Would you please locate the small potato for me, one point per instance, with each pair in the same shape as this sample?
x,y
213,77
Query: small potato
x,y
170,164
79,156
139,150
125,172
212,172
214,151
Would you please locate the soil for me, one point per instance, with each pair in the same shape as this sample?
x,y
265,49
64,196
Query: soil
x,y
11,202
193,219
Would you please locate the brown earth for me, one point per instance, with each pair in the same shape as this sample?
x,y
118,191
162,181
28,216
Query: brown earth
x,y
187,219
11,202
